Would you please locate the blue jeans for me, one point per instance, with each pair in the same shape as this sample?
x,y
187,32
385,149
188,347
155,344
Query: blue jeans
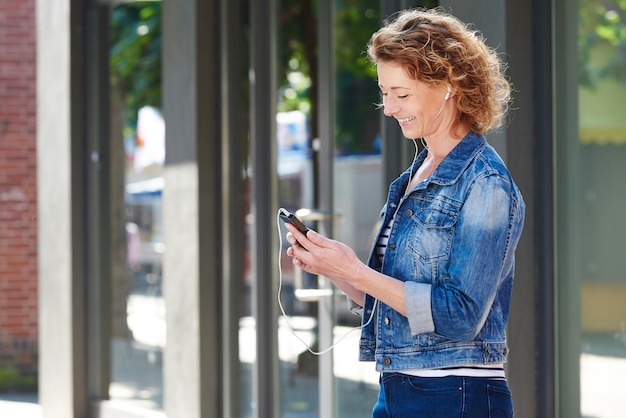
x,y
404,396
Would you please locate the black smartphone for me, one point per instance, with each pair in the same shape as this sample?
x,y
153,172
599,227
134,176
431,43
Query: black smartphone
x,y
290,218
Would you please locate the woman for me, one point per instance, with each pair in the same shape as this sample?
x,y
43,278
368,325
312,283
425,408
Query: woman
x,y
436,290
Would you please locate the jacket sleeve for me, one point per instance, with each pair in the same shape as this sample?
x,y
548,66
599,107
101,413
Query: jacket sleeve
x,y
456,305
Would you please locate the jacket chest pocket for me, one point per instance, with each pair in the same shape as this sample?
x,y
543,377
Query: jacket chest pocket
x,y
432,229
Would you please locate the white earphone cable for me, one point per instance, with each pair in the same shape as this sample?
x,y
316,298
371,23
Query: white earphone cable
x,y
282,309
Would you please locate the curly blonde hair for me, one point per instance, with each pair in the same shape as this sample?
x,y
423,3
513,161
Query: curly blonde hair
x,y
437,48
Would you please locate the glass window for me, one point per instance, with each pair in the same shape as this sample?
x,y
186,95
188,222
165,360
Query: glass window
x,y
312,385
601,195
138,153
334,383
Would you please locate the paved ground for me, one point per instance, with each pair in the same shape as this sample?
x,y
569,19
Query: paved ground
x,y
19,406
603,374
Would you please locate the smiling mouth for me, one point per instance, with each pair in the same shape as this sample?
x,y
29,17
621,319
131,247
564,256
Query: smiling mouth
x,y
405,120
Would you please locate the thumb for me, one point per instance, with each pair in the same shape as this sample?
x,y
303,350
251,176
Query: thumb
x,y
315,237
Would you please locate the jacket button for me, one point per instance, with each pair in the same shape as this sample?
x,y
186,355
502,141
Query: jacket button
x,y
409,213
387,321
386,361
392,246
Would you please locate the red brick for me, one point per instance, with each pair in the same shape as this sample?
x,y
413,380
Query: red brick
x,y
18,188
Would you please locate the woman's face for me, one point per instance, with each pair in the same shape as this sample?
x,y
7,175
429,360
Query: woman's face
x,y
417,106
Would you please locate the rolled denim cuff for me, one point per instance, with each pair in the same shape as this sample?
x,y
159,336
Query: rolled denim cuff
x,y
354,307
418,309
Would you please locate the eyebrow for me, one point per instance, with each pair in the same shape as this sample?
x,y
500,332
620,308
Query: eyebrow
x,y
396,87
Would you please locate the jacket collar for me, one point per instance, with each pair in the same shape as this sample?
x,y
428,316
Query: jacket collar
x,y
455,163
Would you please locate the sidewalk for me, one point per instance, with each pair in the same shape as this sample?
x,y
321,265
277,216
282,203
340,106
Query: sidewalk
x,y
602,377
19,406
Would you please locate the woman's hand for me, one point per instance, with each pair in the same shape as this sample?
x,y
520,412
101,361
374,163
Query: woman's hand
x,y
323,256
339,263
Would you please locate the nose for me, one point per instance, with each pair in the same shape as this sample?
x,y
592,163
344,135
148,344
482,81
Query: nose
x,y
389,107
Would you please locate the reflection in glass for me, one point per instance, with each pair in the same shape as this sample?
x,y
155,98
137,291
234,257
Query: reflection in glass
x,y
602,197
138,150
358,189
358,171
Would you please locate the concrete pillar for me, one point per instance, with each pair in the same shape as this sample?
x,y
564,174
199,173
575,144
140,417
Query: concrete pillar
x,y
191,209
60,178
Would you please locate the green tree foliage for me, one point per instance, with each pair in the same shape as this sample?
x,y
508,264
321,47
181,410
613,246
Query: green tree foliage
x,y
601,24
297,54
135,63
356,91
135,56
12,379
355,86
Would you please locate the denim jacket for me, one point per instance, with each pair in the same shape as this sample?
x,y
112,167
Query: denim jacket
x,y
452,242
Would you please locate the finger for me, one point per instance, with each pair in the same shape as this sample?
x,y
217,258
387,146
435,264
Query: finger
x,y
291,239
317,239
302,265
298,263
294,231
300,240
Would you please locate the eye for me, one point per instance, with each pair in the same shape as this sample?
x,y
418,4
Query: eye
x,y
402,96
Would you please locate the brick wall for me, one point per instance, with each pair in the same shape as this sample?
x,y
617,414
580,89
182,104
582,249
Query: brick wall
x,y
18,223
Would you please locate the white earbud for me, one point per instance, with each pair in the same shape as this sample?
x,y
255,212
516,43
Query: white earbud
x,y
447,96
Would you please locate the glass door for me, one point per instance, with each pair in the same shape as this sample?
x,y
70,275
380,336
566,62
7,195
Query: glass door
x,y
591,239
330,173
358,190
601,151
137,148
